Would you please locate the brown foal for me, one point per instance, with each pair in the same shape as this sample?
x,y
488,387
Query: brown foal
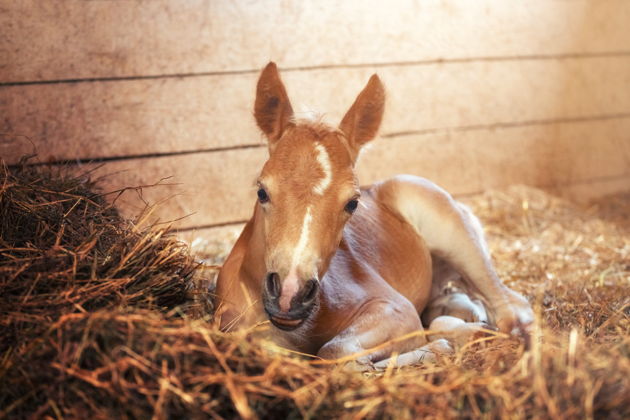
x,y
338,268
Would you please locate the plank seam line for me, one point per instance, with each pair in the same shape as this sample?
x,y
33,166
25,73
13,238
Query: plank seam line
x,y
480,59
507,125
210,226
425,132
105,159
551,185
587,181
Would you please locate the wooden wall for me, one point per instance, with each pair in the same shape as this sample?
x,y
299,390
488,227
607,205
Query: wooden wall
x,y
481,94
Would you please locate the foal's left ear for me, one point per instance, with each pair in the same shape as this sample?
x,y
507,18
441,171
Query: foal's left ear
x,y
272,109
365,115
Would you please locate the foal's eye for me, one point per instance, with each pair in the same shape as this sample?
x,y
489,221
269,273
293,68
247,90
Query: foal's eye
x,y
262,195
352,205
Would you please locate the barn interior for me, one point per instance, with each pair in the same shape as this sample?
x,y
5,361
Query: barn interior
x,y
136,116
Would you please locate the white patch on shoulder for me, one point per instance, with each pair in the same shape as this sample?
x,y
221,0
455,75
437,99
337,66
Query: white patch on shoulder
x,y
324,161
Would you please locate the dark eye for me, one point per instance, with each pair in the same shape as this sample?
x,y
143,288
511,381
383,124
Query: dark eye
x,y
352,205
262,195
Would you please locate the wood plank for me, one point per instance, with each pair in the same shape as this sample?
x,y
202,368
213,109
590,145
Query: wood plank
x,y
591,189
219,187
201,189
212,243
475,160
219,240
68,121
111,38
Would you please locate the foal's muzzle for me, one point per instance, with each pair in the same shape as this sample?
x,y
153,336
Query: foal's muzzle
x,y
302,304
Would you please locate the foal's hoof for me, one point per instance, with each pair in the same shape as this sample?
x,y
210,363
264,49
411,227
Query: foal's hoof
x,y
441,347
358,366
516,318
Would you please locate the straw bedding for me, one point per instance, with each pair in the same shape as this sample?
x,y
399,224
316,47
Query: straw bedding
x,y
101,318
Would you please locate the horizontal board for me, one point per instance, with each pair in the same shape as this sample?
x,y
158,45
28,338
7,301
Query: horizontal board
x,y
218,241
111,38
213,243
472,161
201,189
69,121
215,188
592,189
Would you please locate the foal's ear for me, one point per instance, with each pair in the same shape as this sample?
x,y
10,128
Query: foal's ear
x,y
365,115
272,109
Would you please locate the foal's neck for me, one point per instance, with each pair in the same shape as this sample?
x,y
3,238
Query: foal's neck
x,y
253,268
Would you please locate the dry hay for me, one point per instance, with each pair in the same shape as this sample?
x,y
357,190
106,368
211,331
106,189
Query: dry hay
x,y
96,322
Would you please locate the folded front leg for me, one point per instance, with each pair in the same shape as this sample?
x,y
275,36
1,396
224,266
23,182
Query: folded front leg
x,y
380,323
446,332
429,353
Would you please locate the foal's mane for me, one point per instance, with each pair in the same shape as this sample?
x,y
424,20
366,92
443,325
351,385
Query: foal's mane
x,y
319,128
316,125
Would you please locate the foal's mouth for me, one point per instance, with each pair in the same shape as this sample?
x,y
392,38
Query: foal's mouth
x,y
286,324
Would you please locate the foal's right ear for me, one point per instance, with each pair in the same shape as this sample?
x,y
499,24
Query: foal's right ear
x,y
272,109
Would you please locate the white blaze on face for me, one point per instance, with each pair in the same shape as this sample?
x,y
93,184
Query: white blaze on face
x,y
304,234
291,284
324,161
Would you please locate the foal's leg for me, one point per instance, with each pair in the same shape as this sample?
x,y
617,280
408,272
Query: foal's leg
x,y
454,234
447,331
380,322
429,353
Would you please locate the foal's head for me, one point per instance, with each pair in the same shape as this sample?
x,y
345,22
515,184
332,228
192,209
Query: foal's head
x,y
307,191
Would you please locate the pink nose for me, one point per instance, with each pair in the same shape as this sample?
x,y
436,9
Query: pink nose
x,y
290,288
288,296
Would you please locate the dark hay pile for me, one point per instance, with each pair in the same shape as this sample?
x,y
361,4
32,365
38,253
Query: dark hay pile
x,y
97,322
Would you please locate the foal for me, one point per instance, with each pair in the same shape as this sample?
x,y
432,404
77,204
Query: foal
x,y
339,269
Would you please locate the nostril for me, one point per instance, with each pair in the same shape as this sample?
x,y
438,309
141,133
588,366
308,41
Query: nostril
x,y
272,283
310,291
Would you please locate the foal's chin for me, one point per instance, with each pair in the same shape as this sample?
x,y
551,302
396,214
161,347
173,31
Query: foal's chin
x,y
286,324
290,321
